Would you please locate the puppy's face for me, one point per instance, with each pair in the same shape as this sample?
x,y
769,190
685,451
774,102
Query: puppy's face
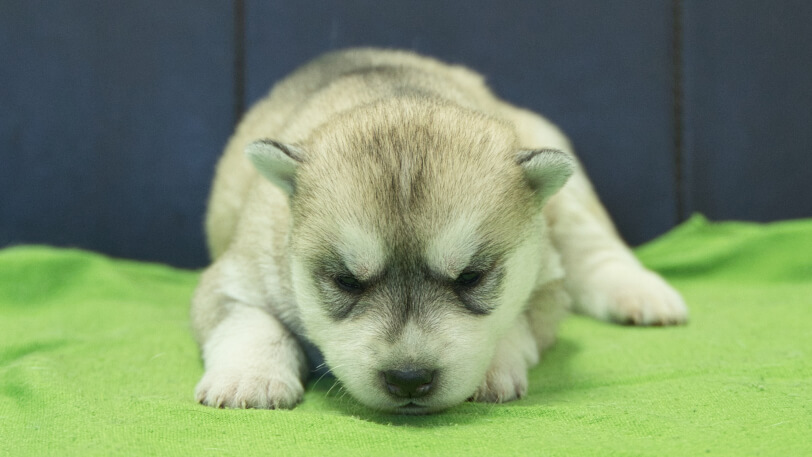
x,y
413,248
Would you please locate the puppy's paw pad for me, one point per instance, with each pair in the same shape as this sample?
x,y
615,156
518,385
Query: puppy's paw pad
x,y
502,383
243,390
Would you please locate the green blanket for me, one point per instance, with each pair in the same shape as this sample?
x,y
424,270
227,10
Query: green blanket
x,y
96,358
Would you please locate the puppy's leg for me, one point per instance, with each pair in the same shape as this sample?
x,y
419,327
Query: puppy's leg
x,y
506,378
603,276
548,305
251,359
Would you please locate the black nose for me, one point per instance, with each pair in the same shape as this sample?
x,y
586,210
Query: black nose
x,y
408,383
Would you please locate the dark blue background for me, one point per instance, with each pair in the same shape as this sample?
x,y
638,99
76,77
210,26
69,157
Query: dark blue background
x,y
112,114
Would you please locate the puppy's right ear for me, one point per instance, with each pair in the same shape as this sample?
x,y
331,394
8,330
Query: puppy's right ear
x,y
276,161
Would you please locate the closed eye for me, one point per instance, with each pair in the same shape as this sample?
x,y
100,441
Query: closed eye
x,y
468,279
348,283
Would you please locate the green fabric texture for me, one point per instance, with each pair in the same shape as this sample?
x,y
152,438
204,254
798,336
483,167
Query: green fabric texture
x,y
96,358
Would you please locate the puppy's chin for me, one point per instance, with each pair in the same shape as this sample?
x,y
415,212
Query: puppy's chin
x,y
412,408
446,397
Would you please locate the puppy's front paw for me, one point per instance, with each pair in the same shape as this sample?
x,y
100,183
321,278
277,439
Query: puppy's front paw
x,y
632,295
234,389
505,380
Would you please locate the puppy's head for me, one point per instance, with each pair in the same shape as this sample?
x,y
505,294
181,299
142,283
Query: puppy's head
x,y
414,244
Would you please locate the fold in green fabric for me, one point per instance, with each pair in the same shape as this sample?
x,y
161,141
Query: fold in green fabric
x,y
96,358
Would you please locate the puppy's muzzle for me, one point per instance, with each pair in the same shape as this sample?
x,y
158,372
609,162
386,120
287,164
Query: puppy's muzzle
x,y
409,383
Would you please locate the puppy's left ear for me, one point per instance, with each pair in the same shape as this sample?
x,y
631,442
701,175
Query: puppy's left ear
x,y
546,170
276,161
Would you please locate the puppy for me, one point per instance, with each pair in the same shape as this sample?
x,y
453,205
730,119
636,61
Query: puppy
x,y
424,235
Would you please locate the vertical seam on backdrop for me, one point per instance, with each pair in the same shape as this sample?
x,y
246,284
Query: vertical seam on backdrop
x,y
677,68
239,59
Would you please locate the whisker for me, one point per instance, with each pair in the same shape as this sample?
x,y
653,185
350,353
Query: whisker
x,y
342,399
322,376
335,383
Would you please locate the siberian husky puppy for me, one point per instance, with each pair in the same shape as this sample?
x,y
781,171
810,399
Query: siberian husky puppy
x,y
424,235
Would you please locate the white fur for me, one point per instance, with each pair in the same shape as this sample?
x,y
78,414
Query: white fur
x,y
506,378
362,251
451,250
260,291
251,362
